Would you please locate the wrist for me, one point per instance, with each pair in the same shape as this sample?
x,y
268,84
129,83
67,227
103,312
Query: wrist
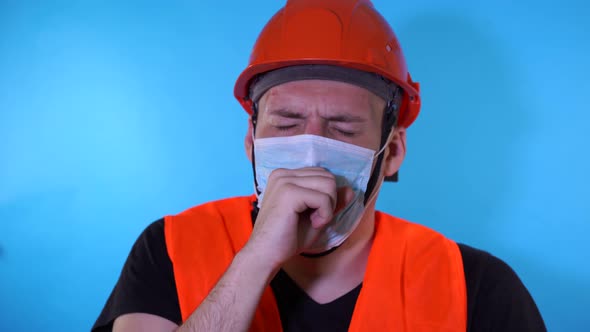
x,y
254,259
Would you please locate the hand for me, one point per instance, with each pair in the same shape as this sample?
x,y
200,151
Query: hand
x,y
297,205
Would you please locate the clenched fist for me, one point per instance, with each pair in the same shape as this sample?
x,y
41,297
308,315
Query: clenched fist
x,y
297,205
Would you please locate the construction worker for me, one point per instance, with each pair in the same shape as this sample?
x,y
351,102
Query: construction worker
x,y
329,98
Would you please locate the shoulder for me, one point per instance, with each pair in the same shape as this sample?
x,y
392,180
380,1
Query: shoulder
x,y
210,217
419,242
497,300
485,272
410,230
146,283
223,224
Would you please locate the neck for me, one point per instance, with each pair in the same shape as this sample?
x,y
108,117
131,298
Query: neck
x,y
329,277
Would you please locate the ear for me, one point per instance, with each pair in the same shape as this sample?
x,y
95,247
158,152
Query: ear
x,y
248,140
395,152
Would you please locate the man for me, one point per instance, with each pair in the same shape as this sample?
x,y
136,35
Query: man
x,y
330,99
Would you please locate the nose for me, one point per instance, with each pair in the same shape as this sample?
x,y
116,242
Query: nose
x,y
315,126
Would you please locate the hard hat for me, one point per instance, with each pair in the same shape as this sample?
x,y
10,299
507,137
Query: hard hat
x,y
343,33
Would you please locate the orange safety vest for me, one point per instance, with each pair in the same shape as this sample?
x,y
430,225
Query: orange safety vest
x,y
414,280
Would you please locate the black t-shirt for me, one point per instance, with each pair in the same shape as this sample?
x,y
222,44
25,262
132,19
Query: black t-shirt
x,y
496,298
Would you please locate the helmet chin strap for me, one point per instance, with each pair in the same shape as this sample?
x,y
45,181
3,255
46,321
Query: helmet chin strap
x,y
388,123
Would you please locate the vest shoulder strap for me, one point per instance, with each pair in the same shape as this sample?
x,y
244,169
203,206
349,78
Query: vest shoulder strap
x,y
414,281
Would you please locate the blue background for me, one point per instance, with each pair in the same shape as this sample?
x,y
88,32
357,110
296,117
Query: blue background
x,y
113,114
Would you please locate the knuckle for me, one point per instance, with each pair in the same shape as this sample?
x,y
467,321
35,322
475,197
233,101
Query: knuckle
x,y
333,185
329,184
289,186
278,175
331,175
327,199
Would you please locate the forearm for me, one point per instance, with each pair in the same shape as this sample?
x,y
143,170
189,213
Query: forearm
x,y
231,304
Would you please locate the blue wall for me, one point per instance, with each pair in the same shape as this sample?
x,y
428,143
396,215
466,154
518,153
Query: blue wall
x,y
112,115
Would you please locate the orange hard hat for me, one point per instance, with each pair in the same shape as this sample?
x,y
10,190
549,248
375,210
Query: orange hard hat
x,y
344,33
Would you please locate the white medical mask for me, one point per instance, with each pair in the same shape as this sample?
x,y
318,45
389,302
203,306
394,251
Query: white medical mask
x,y
351,164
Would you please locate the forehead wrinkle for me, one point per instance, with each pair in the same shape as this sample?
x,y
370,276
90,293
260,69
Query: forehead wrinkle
x,y
286,113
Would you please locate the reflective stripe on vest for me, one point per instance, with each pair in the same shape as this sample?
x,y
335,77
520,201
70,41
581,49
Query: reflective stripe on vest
x,y
414,279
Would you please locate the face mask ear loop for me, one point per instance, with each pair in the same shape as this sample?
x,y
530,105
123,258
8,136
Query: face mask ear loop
x,y
384,145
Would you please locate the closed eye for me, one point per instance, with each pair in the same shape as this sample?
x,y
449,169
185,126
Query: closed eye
x,y
285,128
346,133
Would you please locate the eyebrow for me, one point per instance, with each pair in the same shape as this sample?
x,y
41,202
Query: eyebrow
x,y
286,113
345,118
